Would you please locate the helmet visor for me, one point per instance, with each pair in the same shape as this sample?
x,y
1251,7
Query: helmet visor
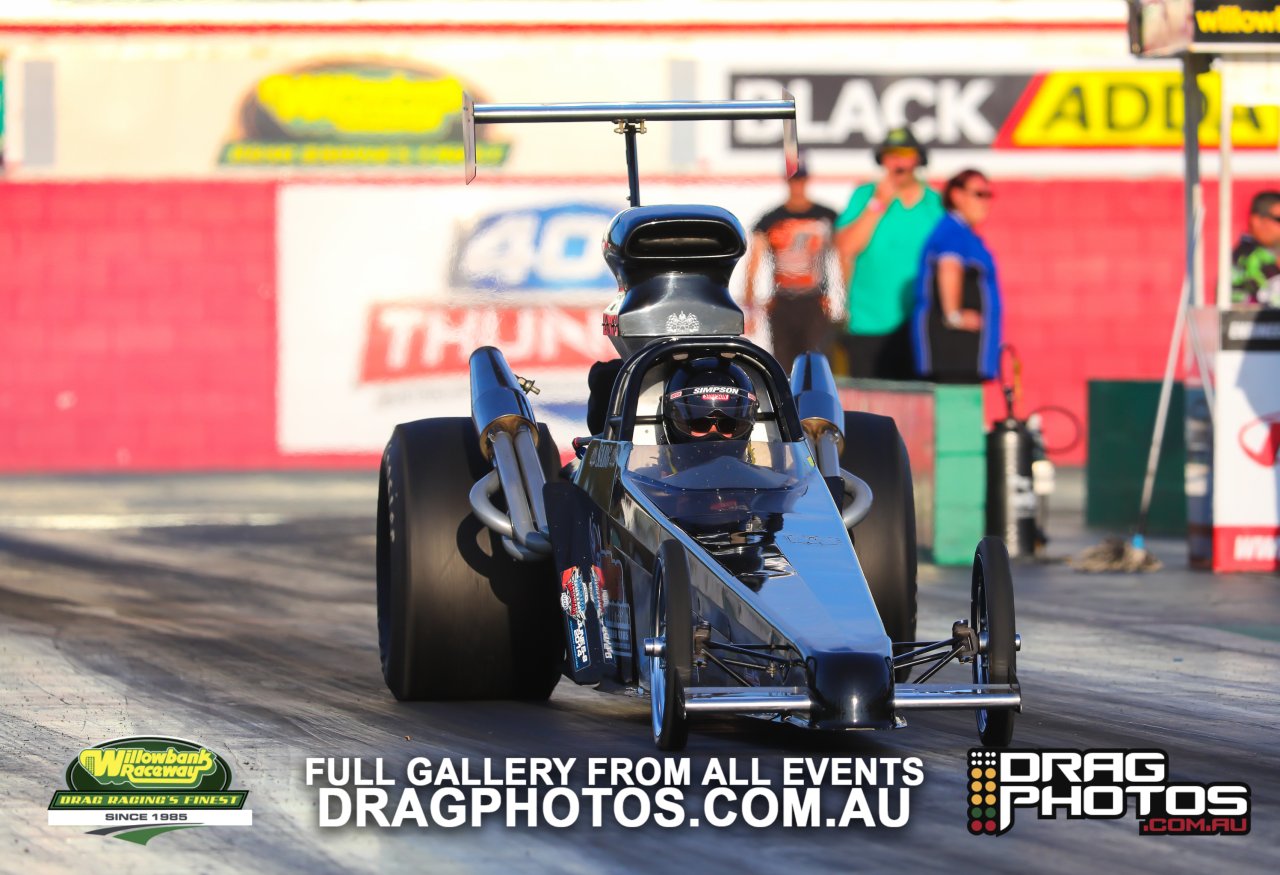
x,y
711,412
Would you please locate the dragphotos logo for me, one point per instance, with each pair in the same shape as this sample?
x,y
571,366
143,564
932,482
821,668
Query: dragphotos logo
x,y
1099,784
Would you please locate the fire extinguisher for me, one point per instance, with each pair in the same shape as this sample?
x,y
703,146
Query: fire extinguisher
x,y
1014,451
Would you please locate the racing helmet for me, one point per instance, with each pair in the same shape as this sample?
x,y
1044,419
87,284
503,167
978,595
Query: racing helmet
x,y
709,399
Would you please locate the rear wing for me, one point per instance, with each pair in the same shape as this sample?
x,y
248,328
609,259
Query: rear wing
x,y
629,119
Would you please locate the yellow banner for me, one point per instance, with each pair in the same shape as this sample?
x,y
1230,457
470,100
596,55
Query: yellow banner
x,y
1108,109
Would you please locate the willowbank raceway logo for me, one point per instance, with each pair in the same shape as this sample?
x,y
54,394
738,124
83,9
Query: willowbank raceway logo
x,y
1099,784
137,788
355,113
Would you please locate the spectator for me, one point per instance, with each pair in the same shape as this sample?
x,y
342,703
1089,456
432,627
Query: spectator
x,y
797,238
1255,276
881,234
957,323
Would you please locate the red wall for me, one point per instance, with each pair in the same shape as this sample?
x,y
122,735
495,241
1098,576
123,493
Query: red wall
x,y
137,321
137,326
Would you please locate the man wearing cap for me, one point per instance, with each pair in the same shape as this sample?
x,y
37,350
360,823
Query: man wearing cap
x,y
797,238
880,236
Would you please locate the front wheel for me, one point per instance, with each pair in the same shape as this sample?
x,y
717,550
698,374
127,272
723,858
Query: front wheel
x,y
670,664
991,615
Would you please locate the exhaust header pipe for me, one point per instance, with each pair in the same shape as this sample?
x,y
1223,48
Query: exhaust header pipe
x,y
498,404
822,418
508,436
817,399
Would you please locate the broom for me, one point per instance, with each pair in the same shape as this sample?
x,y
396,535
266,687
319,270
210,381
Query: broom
x,y
1132,555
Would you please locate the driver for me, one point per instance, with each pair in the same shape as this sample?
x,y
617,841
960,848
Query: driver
x,y
708,399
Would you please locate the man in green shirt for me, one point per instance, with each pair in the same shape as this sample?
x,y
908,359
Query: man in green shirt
x,y
880,236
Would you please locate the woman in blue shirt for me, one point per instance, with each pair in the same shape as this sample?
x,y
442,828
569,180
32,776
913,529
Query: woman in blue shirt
x,y
957,319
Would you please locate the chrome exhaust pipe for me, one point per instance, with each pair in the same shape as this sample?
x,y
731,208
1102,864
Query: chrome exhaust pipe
x,y
818,406
508,436
497,401
822,417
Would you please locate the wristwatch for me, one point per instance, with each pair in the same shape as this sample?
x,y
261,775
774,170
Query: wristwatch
x,y
954,319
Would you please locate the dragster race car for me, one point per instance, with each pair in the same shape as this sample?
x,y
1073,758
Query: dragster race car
x,y
769,571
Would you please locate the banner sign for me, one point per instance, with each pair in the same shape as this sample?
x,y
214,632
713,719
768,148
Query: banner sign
x,y
1246,443
354,114
844,111
1161,28
1241,22
1065,109
1124,109
385,291
167,107
520,270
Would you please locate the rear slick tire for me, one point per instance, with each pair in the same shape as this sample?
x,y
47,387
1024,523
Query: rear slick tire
x,y
885,540
458,617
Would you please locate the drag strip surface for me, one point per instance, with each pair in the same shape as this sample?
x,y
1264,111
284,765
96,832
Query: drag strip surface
x,y
257,638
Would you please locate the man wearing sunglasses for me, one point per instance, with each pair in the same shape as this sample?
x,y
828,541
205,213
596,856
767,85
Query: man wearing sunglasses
x,y
1255,275
709,399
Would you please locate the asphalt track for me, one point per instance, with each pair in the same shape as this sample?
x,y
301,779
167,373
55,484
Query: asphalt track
x,y
238,611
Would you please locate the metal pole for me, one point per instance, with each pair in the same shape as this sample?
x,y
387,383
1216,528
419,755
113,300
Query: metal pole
x,y
1162,418
1224,192
1192,66
633,166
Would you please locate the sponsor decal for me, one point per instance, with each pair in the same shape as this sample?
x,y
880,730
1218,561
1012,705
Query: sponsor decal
x,y
1246,548
683,323
1102,785
137,788
1062,109
537,249
1254,330
355,113
576,594
717,393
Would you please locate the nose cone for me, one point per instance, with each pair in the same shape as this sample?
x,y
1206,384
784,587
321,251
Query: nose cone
x,y
853,691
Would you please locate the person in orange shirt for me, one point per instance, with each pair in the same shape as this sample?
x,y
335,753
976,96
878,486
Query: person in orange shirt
x,y
797,239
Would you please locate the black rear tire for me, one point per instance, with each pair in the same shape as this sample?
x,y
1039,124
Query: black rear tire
x,y
885,540
672,622
458,618
991,611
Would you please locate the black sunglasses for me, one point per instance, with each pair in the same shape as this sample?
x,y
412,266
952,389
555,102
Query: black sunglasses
x,y
985,194
728,427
